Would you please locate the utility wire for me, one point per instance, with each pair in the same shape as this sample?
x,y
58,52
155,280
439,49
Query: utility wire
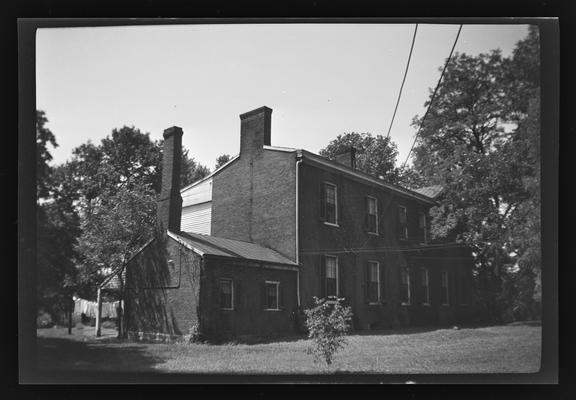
x,y
403,80
433,96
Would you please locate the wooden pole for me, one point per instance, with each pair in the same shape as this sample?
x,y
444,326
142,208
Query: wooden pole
x,y
99,314
70,311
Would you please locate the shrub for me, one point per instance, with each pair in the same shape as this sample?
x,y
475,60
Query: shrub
x,y
44,320
194,335
327,322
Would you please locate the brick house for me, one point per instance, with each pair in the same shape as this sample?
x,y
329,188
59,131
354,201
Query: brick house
x,y
247,248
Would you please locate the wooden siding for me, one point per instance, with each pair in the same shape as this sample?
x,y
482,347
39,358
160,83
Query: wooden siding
x,y
197,218
197,194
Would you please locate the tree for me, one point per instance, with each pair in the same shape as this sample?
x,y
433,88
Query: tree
x,y
375,155
475,142
221,160
118,225
57,226
44,137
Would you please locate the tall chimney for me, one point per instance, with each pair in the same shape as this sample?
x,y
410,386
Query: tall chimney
x,y
170,202
255,130
348,158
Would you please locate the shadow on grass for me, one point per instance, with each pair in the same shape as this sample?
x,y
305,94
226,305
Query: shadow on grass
x,y
109,354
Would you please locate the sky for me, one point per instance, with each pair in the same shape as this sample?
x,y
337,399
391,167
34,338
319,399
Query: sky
x,y
320,80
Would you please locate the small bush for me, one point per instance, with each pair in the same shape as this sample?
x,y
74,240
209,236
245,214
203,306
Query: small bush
x,y
327,322
44,320
194,335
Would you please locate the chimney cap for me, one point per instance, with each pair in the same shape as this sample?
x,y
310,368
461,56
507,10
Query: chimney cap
x,y
171,131
257,111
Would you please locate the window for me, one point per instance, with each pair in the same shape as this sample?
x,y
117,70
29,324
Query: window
x,y
272,294
445,299
226,294
331,276
425,286
373,282
371,215
402,222
330,204
422,226
404,286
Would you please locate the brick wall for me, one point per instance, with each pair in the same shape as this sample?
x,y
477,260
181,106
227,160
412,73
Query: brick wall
x,y
160,296
254,200
316,238
249,316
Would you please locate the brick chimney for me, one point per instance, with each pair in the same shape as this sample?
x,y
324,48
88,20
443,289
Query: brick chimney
x,y
170,202
348,158
255,130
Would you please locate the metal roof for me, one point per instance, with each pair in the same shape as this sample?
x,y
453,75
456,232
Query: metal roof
x,y
430,191
216,246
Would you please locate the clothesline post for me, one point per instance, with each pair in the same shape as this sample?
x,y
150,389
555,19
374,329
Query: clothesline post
x,y
99,314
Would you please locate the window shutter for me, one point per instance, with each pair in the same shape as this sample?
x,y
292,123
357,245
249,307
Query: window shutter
x,y
380,213
322,199
340,208
382,283
366,214
322,277
263,295
237,296
367,283
216,292
340,280
281,301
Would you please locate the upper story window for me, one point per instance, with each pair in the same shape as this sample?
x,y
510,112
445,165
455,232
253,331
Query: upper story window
x,y
445,294
372,215
422,226
330,203
272,295
405,286
226,294
402,222
331,275
425,283
373,283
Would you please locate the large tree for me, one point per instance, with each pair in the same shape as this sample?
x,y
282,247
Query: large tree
x,y
375,155
480,142
57,227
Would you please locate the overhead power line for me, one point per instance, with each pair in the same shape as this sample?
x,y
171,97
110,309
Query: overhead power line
x,y
433,96
403,80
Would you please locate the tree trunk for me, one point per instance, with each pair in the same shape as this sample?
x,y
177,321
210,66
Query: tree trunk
x,y
99,314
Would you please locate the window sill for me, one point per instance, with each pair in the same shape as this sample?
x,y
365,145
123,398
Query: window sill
x,y
405,304
331,224
426,304
378,303
272,309
227,309
373,233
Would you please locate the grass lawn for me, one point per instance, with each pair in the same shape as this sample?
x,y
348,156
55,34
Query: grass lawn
x,y
501,349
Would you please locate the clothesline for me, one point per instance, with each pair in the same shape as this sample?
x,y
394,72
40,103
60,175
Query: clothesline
x,y
90,308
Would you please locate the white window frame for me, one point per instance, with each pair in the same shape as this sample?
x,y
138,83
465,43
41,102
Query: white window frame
x,y
231,293
277,284
426,275
335,203
376,210
326,257
444,273
377,264
405,237
409,302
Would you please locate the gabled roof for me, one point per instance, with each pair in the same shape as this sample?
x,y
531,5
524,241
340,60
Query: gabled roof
x,y
430,191
220,247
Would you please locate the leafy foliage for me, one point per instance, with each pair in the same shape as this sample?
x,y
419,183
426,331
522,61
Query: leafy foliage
x,y
375,155
480,142
221,160
327,322
44,137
